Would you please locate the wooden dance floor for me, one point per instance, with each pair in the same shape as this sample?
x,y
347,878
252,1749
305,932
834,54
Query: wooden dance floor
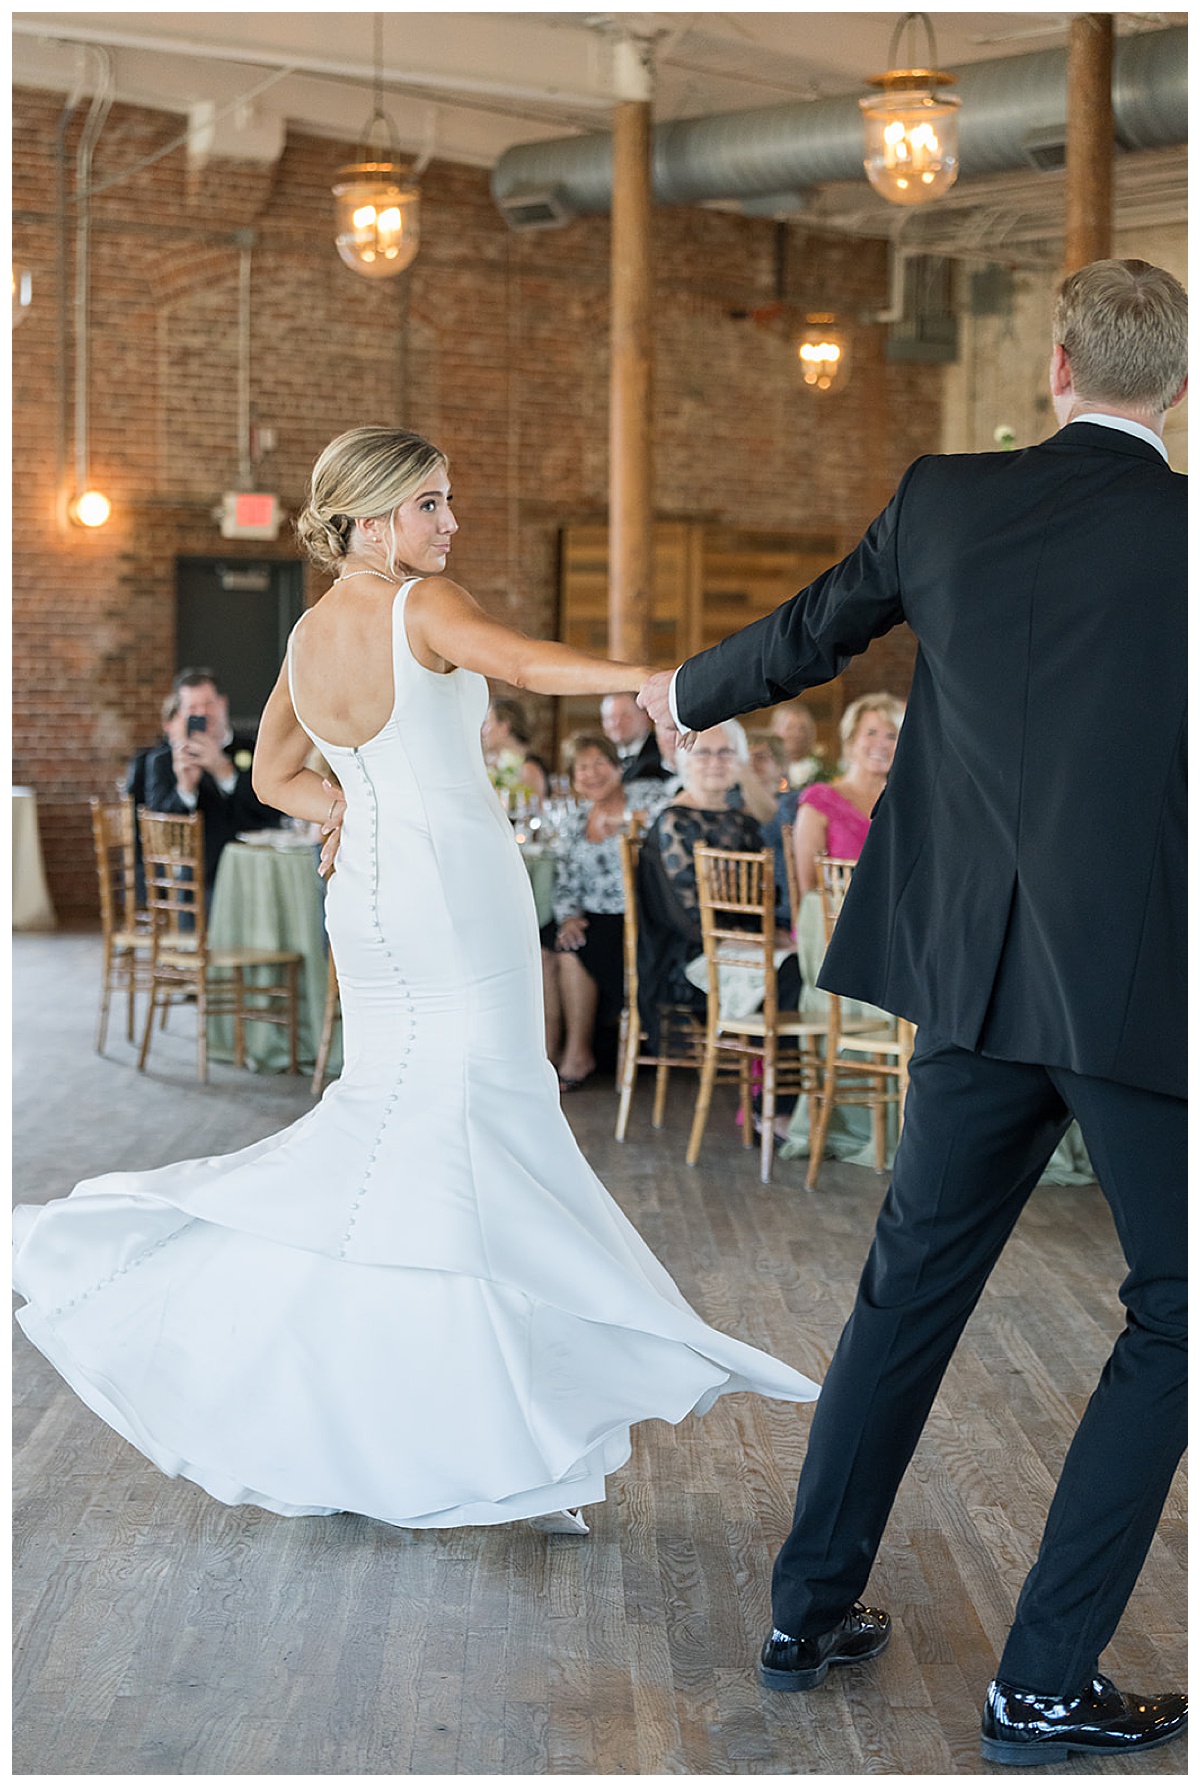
x,y
158,1632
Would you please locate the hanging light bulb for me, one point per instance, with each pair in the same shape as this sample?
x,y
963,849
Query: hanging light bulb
x,y
910,130
377,210
91,509
822,353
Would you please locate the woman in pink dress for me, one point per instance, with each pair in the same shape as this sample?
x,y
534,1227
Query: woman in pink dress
x,y
833,818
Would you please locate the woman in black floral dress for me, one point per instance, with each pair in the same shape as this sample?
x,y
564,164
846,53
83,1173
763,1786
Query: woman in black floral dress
x,y
668,904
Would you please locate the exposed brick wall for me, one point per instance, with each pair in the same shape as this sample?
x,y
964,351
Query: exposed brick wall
x,y
494,344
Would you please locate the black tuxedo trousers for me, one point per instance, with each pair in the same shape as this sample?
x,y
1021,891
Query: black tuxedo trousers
x,y
977,1134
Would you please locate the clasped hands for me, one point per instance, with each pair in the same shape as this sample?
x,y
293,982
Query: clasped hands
x,y
654,697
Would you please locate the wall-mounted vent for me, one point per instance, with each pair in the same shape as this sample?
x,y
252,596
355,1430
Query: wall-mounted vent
x,y
992,291
928,330
544,210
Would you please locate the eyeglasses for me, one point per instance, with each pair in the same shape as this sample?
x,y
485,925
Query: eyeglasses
x,y
705,756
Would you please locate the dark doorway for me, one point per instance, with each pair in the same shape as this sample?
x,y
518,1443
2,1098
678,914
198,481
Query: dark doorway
x,y
233,617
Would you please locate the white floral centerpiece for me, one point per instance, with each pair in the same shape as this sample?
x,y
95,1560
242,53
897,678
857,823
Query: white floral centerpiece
x,y
507,776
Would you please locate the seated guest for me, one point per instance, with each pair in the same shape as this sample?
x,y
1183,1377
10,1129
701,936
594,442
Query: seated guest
x,y
630,730
135,784
669,935
768,760
507,737
650,794
671,781
794,724
833,818
583,946
750,790
204,768
135,775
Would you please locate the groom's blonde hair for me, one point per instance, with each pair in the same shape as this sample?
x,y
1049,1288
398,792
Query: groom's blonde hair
x,y
1124,327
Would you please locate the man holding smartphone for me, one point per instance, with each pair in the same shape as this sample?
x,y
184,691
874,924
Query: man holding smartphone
x,y
204,768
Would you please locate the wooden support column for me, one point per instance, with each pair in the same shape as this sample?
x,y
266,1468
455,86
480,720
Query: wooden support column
x,y
1089,195
630,445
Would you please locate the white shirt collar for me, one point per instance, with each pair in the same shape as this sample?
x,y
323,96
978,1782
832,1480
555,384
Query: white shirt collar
x,y
1126,426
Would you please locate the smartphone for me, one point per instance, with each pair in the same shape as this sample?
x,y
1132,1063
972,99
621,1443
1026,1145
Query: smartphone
x,y
197,723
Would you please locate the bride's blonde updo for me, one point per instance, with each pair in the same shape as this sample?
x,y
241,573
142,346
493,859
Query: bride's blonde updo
x,y
364,472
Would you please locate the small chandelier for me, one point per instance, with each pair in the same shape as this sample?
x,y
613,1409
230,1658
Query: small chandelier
x,y
377,209
910,129
822,353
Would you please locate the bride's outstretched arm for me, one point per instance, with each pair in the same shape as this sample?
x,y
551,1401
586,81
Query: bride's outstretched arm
x,y
447,628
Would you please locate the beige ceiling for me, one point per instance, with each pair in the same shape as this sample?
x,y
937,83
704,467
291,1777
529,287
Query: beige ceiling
x,y
465,86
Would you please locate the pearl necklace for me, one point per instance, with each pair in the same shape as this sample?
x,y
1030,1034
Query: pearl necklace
x,y
346,575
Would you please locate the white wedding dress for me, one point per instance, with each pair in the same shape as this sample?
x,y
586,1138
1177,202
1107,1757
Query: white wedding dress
x,y
418,1303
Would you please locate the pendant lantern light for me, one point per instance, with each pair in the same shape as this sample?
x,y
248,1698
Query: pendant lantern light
x,y
822,353
910,128
377,202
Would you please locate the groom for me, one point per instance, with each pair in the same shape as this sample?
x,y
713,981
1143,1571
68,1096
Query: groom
x,y
1021,898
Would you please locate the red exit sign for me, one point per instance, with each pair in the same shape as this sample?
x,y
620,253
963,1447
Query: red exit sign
x,y
250,515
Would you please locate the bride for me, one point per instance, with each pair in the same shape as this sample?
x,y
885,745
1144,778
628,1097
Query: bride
x,y
417,1303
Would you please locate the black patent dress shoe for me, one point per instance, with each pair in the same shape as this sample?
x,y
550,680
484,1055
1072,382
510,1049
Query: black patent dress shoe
x,y
790,1664
1029,1730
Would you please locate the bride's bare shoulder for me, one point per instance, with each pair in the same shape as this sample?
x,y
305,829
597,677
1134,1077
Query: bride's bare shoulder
x,y
430,591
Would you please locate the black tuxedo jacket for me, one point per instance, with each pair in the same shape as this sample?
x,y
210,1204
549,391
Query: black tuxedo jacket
x,y
224,814
1022,890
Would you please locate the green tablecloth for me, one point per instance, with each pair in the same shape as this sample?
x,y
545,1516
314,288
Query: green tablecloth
x,y
271,897
849,1135
539,863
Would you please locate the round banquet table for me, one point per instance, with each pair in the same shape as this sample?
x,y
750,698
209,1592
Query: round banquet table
x,y
268,895
31,907
539,865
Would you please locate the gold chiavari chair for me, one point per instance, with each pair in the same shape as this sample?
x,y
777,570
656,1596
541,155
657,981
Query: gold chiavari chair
x,y
125,930
736,890
866,1060
183,965
788,834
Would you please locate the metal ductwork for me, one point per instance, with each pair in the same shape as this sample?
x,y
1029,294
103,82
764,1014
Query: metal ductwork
x,y
1013,116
